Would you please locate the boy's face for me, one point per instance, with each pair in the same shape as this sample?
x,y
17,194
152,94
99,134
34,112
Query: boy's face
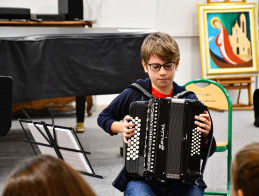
x,y
161,80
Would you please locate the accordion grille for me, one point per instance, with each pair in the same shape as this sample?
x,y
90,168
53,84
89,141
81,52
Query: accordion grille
x,y
175,138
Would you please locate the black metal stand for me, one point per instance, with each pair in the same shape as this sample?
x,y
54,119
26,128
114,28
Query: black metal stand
x,y
50,136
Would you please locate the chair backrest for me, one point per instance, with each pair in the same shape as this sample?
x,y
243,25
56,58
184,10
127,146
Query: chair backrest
x,y
215,96
211,96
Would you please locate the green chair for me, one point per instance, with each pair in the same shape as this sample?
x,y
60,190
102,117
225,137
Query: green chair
x,y
215,96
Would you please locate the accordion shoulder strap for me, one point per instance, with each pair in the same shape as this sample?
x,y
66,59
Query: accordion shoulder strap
x,y
208,152
145,92
141,89
183,94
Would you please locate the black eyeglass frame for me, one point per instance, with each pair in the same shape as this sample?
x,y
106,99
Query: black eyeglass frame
x,y
150,65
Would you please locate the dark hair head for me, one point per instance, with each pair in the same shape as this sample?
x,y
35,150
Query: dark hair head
x,y
245,170
46,176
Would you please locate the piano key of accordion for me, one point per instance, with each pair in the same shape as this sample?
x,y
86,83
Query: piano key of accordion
x,y
134,160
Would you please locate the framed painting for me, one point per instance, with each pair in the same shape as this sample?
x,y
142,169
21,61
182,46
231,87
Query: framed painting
x,y
228,36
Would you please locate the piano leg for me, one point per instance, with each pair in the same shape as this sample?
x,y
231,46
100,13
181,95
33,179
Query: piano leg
x,y
89,101
80,113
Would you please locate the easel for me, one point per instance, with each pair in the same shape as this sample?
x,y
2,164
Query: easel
x,y
58,141
238,83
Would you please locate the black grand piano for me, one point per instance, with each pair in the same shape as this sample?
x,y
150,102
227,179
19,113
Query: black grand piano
x,y
62,62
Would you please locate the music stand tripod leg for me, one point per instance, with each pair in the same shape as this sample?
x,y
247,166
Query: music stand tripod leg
x,y
80,113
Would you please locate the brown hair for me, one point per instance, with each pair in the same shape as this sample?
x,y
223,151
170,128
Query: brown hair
x,y
46,176
162,45
245,170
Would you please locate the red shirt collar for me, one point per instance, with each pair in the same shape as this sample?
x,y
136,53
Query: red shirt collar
x,y
157,94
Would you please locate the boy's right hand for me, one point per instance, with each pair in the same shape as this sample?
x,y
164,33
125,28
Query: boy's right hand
x,y
127,128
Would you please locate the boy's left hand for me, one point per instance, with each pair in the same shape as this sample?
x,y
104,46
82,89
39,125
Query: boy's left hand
x,y
203,122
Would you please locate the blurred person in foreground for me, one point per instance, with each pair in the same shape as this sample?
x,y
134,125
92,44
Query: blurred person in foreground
x,y
45,175
245,171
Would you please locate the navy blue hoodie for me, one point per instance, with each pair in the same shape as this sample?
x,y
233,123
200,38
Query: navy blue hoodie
x,y
119,108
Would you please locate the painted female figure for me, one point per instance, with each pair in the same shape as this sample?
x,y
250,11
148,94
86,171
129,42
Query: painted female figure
x,y
223,42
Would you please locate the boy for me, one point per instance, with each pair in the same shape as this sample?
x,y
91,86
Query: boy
x,y
160,58
245,171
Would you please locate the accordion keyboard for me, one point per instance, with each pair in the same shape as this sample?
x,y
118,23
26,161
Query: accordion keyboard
x,y
133,148
196,142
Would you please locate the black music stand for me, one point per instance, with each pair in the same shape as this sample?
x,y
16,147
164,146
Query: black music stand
x,y
6,86
58,141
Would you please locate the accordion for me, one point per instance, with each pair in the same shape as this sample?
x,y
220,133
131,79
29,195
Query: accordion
x,y
166,143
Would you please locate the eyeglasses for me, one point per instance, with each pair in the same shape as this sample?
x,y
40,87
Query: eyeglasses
x,y
167,66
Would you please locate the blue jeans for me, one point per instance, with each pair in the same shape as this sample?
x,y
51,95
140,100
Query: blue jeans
x,y
175,188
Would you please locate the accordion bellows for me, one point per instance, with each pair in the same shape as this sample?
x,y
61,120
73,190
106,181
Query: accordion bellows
x,y
166,143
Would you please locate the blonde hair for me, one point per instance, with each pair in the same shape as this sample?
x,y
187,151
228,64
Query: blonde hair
x,y
245,170
46,176
162,45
